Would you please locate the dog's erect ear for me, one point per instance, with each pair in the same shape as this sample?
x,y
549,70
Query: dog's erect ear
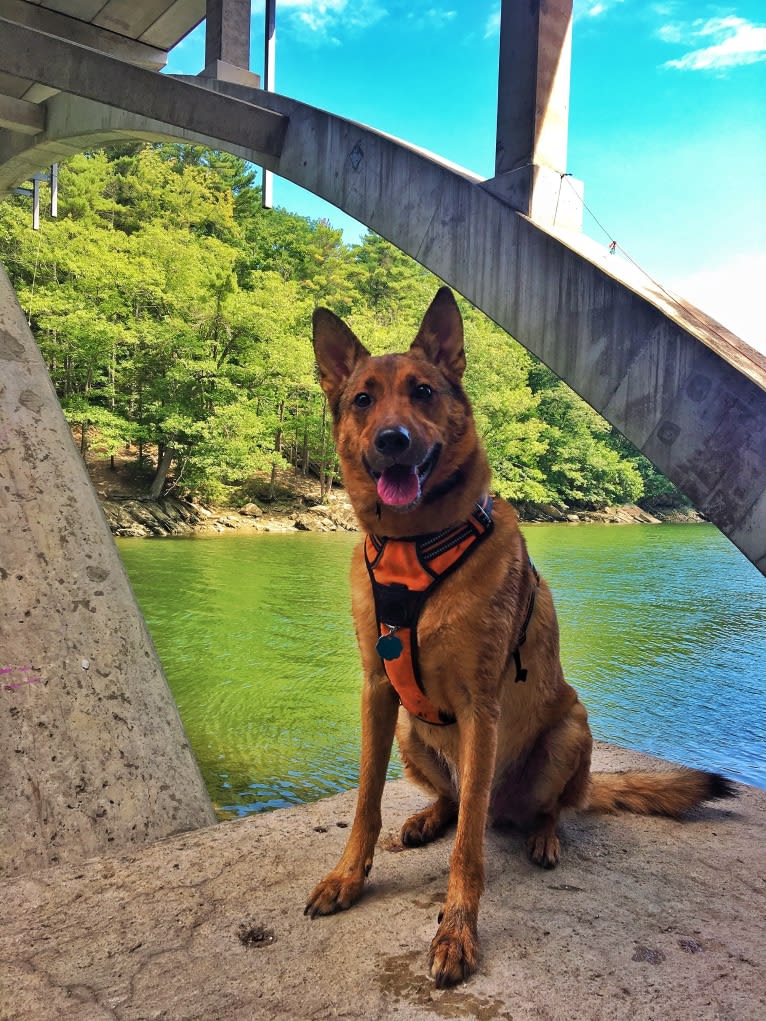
x,y
440,337
337,351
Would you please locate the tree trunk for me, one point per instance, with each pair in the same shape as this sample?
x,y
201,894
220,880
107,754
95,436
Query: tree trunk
x,y
280,432
296,433
163,468
323,454
277,450
305,448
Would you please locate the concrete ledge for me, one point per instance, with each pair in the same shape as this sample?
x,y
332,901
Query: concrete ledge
x,y
644,919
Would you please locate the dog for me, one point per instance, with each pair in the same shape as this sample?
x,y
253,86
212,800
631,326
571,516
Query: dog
x,y
457,634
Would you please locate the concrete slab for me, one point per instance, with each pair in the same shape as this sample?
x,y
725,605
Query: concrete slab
x,y
644,919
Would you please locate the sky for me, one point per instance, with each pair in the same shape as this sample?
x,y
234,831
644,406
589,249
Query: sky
x,y
667,124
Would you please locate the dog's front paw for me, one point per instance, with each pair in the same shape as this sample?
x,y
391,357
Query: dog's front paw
x,y
454,953
335,893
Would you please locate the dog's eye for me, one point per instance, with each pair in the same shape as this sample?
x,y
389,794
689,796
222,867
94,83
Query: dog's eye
x,y
362,400
422,392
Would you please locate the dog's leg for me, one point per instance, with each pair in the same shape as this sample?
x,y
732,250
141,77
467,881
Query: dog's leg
x,y
423,767
428,824
543,844
454,950
561,783
343,886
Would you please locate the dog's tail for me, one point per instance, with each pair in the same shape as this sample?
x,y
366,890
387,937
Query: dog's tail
x,y
669,792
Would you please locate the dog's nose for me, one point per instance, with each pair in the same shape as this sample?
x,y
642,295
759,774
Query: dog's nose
x,y
392,442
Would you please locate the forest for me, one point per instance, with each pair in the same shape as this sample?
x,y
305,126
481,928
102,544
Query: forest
x,y
174,315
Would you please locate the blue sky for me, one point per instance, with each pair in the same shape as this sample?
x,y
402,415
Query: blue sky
x,y
667,118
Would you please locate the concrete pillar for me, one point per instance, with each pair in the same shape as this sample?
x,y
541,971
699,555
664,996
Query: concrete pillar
x,y
227,42
93,755
533,111
227,32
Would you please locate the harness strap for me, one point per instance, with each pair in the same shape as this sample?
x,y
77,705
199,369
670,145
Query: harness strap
x,y
521,672
403,574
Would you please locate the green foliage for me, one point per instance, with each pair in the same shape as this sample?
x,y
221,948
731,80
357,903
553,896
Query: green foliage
x,y
174,312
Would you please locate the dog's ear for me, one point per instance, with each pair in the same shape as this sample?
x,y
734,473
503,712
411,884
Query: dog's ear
x,y
337,351
440,337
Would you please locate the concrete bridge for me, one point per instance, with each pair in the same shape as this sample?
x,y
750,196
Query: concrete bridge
x,y
683,389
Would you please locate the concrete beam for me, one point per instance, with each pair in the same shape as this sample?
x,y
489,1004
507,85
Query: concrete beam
x,y
128,17
53,23
83,72
177,22
94,754
17,115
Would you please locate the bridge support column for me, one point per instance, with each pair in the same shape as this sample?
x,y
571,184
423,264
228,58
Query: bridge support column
x,y
227,42
533,112
93,756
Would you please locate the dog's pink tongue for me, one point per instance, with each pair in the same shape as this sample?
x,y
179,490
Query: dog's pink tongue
x,y
398,486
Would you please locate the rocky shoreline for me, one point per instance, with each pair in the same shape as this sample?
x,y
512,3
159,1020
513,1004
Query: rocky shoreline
x,y
171,516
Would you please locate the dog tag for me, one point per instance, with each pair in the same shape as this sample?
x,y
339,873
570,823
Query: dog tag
x,y
389,646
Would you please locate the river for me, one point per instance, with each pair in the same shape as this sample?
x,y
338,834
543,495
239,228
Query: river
x,y
663,633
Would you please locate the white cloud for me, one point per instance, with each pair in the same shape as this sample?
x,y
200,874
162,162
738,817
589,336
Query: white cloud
x,y
733,42
671,32
324,19
732,294
593,8
431,17
492,27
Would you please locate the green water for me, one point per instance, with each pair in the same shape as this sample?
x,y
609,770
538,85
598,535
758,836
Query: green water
x,y
662,634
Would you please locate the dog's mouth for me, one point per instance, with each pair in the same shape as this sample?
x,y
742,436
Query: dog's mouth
x,y
401,485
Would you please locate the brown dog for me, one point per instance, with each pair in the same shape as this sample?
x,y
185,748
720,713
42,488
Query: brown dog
x,y
452,620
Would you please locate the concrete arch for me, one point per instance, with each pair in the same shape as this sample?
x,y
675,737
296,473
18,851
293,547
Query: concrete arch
x,y
75,125
689,394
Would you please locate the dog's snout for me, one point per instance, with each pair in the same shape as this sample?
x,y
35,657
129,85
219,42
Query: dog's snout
x,y
393,441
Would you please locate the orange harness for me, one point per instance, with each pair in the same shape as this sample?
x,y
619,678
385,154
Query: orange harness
x,y
404,573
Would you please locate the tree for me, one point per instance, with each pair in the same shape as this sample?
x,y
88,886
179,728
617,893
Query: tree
x,y
174,313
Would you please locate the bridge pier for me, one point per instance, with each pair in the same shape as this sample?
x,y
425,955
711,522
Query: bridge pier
x,y
95,756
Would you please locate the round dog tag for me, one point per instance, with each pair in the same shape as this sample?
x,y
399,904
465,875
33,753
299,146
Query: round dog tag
x,y
389,646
